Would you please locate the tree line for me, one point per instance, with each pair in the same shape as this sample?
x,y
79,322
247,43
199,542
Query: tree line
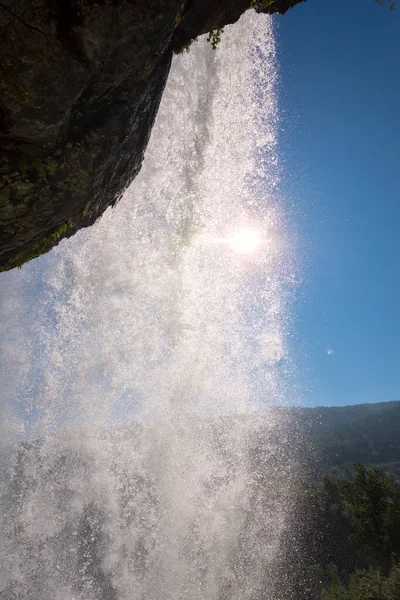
x,y
344,543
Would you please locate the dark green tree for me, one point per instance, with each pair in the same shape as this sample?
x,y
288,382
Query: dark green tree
x,y
366,585
373,504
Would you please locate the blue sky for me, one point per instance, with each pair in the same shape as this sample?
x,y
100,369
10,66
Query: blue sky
x,y
340,143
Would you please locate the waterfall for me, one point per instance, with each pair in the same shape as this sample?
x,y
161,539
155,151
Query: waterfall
x,y
136,358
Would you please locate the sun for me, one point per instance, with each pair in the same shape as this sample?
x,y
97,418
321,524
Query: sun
x,y
245,241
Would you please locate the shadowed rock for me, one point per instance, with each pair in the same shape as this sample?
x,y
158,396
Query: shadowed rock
x,y
80,86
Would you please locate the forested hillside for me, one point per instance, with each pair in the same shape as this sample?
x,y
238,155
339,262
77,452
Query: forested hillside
x,y
341,436
344,538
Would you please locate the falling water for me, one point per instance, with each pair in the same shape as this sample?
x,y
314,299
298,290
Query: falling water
x,y
136,462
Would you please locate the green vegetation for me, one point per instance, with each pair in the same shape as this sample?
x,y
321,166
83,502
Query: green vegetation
x,y
348,538
344,435
343,542
46,243
86,209
36,163
184,48
366,585
261,5
178,18
43,245
214,36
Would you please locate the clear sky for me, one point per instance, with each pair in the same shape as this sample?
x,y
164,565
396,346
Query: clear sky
x,y
340,101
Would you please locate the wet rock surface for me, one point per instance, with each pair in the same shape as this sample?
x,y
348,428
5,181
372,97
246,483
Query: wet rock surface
x,y
80,86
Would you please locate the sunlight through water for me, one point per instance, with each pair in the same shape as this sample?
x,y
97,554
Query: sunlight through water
x,y
243,240
139,460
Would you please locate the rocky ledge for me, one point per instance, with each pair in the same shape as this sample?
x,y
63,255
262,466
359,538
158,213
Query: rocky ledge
x,y
80,86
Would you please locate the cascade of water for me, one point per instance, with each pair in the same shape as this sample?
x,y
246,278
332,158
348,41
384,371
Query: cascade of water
x,y
135,355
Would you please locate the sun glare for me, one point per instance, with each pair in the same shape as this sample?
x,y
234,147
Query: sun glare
x,y
245,240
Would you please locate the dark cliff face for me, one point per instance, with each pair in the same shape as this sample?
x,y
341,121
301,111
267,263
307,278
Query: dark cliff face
x,y
80,86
